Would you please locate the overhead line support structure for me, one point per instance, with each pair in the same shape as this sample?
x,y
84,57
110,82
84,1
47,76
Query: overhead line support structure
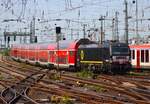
x,y
126,21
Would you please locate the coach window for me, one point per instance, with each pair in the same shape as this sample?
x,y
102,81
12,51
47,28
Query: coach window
x,y
51,53
133,54
147,55
142,55
43,60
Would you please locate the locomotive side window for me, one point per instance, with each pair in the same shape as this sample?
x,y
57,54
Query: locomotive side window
x,y
142,55
147,55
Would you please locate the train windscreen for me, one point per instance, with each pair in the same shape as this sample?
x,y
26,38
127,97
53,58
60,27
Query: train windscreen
x,y
120,50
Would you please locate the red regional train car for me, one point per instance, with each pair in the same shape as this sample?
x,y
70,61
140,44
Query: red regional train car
x,y
140,56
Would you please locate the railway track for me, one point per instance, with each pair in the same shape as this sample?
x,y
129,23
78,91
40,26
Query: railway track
x,y
18,91
77,94
132,95
81,94
12,94
20,66
122,80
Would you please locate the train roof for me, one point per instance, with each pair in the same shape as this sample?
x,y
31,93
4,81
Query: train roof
x,y
64,44
119,44
67,44
90,46
73,44
140,46
108,43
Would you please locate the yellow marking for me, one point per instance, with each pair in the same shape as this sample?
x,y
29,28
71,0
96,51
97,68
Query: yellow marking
x,y
96,62
82,55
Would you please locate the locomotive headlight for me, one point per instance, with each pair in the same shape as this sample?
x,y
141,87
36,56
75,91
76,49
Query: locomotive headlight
x,y
129,61
128,58
110,61
107,60
114,58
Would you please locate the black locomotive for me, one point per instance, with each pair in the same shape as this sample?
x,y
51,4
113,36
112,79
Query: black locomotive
x,y
111,57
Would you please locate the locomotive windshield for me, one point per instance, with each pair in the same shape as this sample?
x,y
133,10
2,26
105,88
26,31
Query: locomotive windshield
x,y
120,50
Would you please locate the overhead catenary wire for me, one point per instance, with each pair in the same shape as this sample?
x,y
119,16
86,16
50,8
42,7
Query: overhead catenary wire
x,y
72,7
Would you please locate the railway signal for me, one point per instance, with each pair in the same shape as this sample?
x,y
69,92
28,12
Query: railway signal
x,y
58,30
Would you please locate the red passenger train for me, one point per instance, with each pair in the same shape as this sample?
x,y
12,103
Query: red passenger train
x,y
47,54
75,54
140,56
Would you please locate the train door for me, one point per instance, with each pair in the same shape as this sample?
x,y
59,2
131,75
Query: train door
x,y
51,57
138,59
71,57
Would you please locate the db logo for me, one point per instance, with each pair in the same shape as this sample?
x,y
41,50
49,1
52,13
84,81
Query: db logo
x,y
82,55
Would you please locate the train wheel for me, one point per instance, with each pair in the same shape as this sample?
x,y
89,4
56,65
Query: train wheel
x,y
124,69
112,71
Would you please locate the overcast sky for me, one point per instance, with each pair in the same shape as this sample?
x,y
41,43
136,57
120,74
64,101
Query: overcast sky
x,y
75,11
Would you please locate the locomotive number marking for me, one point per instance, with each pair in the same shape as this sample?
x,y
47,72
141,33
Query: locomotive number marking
x,y
82,55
